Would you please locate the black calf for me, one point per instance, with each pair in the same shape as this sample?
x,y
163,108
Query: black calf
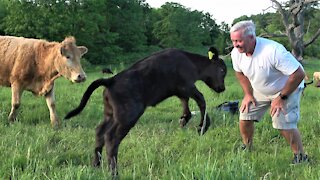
x,y
164,74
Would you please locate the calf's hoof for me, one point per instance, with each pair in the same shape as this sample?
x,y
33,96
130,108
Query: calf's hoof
x,y
184,119
114,174
96,163
182,122
203,129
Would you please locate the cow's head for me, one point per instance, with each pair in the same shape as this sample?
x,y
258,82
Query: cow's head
x,y
213,74
69,64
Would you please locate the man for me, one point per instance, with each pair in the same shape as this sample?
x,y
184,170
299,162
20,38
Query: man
x,y
270,77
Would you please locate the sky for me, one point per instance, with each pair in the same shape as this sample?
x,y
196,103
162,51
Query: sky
x,y
221,10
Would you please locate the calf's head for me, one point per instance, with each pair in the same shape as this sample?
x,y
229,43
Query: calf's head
x,y
68,65
213,74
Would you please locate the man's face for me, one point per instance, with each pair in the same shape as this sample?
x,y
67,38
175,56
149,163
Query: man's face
x,y
242,42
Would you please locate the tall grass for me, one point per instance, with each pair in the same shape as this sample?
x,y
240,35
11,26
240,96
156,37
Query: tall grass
x,y
156,148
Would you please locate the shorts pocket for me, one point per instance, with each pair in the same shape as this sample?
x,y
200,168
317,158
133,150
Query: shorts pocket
x,y
292,116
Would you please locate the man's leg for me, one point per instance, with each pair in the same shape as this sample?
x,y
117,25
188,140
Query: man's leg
x,y
248,118
247,131
287,126
294,139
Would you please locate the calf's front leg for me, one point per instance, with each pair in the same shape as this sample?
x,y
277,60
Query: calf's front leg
x,y
205,120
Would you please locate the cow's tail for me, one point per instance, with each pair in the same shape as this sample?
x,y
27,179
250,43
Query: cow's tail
x,y
92,87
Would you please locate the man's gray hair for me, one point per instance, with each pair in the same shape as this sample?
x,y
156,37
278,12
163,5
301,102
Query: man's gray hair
x,y
248,27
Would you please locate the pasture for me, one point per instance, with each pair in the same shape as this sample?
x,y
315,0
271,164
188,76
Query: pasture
x,y
156,148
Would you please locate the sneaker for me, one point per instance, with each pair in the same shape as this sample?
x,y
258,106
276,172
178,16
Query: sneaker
x,y
300,158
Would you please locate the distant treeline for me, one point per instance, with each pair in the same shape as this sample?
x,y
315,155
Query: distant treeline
x,y
112,29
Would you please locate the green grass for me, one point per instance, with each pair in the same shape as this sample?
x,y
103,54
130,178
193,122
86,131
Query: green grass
x,y
156,148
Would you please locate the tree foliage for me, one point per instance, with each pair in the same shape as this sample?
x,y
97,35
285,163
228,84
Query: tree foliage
x,y
114,28
178,26
126,18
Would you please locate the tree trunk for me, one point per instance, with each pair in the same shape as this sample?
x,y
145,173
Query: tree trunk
x,y
297,46
292,13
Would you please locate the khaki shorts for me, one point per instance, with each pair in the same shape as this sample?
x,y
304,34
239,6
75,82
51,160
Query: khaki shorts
x,y
283,121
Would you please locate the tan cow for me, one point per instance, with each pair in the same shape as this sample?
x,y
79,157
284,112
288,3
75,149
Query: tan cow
x,y
33,65
316,78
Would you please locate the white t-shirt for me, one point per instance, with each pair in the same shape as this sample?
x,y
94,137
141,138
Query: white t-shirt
x,y
269,67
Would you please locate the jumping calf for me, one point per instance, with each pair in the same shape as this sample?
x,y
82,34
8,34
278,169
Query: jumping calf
x,y
164,74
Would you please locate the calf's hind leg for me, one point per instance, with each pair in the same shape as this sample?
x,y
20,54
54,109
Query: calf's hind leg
x,y
113,138
100,139
186,115
120,127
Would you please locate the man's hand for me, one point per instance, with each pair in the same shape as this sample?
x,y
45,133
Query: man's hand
x,y
247,100
277,105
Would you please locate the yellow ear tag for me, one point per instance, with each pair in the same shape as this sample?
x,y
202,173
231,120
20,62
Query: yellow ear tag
x,y
210,54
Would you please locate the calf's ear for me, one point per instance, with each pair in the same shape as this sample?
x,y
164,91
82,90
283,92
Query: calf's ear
x,y
213,53
210,55
82,49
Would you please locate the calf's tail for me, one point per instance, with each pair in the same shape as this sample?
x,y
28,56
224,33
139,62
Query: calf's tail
x,y
92,87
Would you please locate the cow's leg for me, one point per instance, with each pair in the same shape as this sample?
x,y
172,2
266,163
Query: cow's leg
x,y
186,114
205,120
16,91
50,99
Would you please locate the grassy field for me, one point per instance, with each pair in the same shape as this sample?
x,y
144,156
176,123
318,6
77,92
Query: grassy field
x,y
156,148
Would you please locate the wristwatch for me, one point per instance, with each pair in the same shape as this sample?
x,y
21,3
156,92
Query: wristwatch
x,y
283,97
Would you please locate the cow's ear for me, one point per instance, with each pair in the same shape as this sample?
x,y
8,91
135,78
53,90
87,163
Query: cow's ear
x,y
63,50
82,49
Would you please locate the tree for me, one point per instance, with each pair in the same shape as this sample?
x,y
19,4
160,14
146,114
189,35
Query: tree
x,y
293,16
209,26
180,27
126,17
3,14
223,42
150,17
311,28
